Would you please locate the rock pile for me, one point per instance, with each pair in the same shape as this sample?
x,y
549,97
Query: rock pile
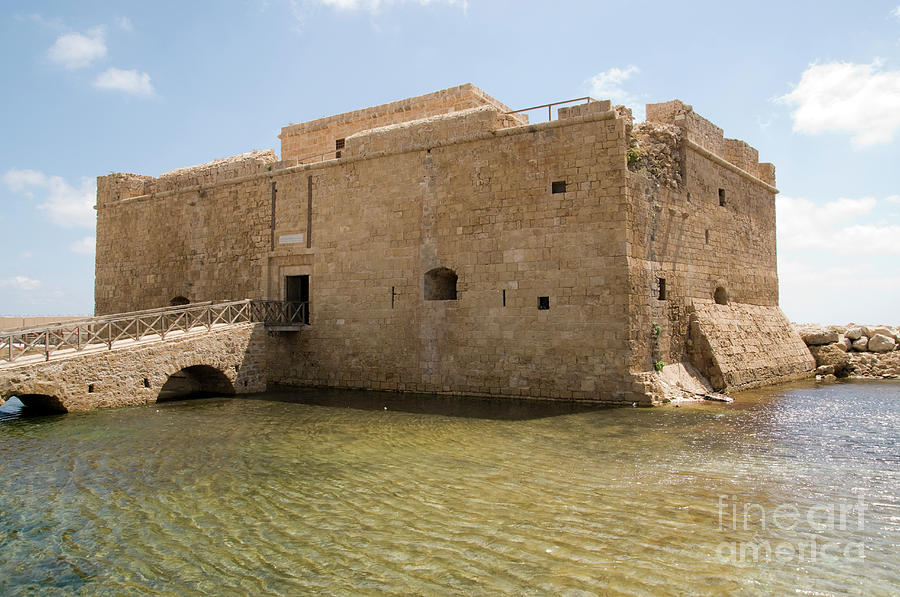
x,y
853,350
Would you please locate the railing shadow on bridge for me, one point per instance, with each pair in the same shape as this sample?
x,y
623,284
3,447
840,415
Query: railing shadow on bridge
x,y
110,330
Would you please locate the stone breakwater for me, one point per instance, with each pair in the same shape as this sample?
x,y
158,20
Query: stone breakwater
x,y
870,351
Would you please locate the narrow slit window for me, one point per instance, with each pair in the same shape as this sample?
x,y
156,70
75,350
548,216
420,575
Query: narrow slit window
x,y
661,286
504,297
146,382
558,186
707,236
543,303
338,146
90,388
722,197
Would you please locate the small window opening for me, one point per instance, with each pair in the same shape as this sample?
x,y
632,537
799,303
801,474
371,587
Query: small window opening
x,y
179,300
707,236
558,186
338,146
504,297
543,303
661,284
721,296
146,382
90,388
440,284
722,197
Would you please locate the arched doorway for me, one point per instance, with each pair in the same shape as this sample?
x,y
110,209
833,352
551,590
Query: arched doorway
x,y
196,381
178,301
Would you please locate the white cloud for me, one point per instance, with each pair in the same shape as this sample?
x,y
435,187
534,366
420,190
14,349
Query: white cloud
x,y
803,224
127,81
66,205
124,24
894,199
84,246
609,85
76,50
20,283
847,97
896,12
26,254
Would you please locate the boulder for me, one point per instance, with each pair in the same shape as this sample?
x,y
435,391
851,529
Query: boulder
x,y
829,354
854,333
861,344
884,330
825,370
881,343
846,342
816,335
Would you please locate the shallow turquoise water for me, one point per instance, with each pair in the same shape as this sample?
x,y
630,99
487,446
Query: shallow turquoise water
x,y
236,496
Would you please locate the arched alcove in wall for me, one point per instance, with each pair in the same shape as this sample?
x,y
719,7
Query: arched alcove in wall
x,y
721,295
440,284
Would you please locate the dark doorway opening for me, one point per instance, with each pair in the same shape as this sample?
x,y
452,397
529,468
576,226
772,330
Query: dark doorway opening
x,y
296,294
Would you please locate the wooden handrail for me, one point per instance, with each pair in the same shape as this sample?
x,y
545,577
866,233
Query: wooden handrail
x,y
109,330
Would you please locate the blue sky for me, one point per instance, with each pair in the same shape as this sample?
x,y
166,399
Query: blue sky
x,y
146,87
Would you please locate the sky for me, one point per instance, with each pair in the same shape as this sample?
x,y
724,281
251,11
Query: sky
x,y
98,87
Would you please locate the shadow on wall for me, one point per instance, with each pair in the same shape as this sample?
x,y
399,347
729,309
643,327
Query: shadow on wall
x,y
195,382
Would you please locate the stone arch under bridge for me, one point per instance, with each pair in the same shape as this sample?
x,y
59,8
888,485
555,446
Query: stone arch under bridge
x,y
229,360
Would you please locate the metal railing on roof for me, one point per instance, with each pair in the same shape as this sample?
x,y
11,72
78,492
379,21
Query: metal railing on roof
x,y
549,106
111,330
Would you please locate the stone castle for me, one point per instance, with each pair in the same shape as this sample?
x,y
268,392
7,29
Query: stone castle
x,y
445,245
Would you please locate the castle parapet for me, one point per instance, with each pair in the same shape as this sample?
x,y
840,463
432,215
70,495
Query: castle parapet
x,y
429,131
711,138
122,185
325,138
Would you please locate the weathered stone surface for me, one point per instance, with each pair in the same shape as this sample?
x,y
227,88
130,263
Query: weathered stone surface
x,y
133,375
881,343
740,346
830,355
844,343
874,364
861,344
815,335
854,332
882,330
825,370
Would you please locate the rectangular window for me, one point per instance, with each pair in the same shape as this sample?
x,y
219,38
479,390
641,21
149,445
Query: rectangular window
x,y
558,186
543,303
338,146
722,197
661,285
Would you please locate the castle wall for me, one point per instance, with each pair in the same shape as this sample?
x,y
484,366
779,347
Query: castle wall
x,y
398,204
703,222
315,140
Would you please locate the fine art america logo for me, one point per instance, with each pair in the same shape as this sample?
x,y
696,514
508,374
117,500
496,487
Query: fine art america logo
x,y
788,533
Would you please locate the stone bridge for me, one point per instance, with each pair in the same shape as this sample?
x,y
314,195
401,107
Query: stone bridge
x,y
140,358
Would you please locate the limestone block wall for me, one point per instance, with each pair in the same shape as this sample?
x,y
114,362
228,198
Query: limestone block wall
x,y
740,346
201,243
117,377
428,131
483,207
317,137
